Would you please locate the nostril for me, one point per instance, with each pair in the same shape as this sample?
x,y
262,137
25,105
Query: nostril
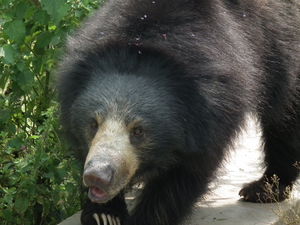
x,y
98,176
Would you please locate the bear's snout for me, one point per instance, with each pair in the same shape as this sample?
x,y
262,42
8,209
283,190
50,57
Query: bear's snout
x,y
100,175
99,178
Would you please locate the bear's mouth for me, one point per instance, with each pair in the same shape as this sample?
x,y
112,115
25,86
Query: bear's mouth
x,y
98,195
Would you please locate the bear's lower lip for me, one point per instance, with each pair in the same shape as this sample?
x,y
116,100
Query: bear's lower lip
x,y
97,195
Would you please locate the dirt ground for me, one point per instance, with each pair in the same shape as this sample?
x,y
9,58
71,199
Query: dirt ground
x,y
222,205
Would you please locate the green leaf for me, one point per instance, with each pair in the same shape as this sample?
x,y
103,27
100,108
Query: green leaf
x,y
15,30
21,10
30,13
8,215
60,173
57,9
8,199
25,80
5,115
42,17
15,143
55,40
11,128
43,39
35,137
21,204
9,54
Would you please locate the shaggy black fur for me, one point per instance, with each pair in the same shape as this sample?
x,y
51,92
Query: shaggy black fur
x,y
192,69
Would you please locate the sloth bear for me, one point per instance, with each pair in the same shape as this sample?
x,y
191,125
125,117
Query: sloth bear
x,y
155,91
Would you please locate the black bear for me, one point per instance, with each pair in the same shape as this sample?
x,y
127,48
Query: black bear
x,y
154,92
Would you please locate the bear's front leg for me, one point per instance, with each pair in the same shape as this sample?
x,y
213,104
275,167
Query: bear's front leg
x,y
113,212
167,199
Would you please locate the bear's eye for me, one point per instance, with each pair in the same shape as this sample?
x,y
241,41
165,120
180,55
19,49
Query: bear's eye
x,y
93,126
138,132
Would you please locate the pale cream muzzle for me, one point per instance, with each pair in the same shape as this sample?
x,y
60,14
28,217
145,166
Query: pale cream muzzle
x,y
111,161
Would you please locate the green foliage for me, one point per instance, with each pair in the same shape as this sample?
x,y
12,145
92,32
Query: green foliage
x,y
39,179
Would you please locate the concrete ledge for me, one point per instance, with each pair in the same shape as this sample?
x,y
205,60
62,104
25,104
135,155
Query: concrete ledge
x,y
73,220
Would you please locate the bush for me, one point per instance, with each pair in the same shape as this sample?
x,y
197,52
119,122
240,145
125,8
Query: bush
x,y
39,179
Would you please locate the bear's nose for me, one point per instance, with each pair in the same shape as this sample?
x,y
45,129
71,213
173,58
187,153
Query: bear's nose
x,y
100,175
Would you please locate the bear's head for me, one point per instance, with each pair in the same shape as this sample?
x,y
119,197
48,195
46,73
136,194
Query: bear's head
x,y
131,113
130,129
